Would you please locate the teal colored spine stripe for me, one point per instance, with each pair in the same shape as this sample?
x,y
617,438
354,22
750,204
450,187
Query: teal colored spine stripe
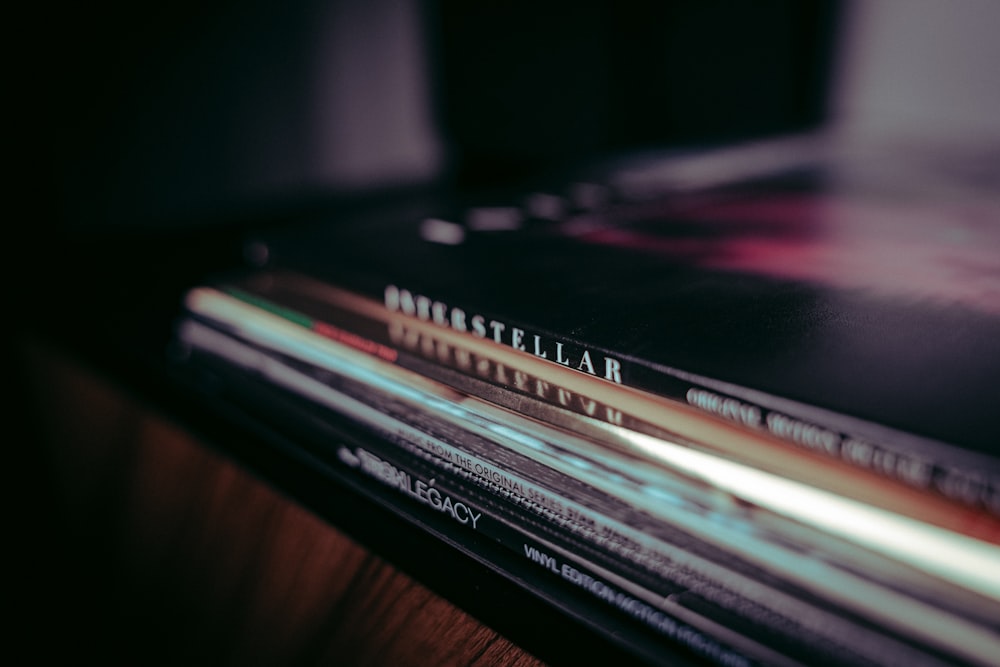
x,y
274,309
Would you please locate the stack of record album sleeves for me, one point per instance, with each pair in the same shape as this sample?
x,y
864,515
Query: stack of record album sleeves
x,y
756,422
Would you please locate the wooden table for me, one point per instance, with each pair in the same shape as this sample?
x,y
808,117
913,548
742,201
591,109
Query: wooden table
x,y
154,549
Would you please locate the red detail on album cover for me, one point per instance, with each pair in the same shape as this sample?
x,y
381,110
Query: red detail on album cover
x,y
948,252
357,342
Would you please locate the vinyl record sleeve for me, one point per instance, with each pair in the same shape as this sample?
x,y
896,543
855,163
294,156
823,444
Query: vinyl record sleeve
x,y
853,318
402,481
524,383
651,636
448,434
923,546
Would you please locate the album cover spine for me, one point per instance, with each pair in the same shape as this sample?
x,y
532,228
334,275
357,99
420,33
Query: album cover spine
x,y
440,352
470,512
436,490
923,463
520,524
649,555
945,553
468,518
919,462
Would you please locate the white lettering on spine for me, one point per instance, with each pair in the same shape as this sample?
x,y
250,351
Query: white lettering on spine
x,y
543,559
638,609
728,408
516,335
406,303
541,388
910,468
538,348
392,297
559,355
498,328
422,307
809,435
613,370
418,489
564,397
479,326
439,313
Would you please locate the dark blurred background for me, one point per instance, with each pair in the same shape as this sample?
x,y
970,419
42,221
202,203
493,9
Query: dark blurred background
x,y
148,114
128,114
132,118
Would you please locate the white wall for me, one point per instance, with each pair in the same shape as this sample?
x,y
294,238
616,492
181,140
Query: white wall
x,y
372,109
920,69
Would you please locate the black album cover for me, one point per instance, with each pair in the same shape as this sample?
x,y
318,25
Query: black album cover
x,y
827,306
